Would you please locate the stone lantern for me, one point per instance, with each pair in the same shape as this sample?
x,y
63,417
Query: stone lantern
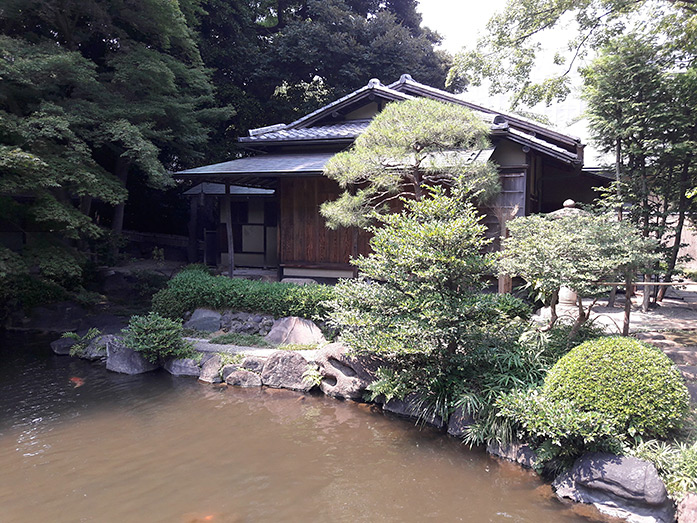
x,y
567,296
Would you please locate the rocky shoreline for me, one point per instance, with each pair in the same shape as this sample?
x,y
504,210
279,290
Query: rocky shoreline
x,y
618,486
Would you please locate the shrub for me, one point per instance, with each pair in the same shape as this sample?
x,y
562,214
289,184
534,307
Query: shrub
x,y
634,383
157,337
556,429
191,289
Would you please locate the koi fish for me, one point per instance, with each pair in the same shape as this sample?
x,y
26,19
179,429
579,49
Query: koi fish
x,y
77,382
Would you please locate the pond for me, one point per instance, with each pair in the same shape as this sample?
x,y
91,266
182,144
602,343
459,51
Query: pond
x,y
79,443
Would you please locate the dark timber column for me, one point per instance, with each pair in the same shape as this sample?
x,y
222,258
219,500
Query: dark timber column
x,y
192,247
228,228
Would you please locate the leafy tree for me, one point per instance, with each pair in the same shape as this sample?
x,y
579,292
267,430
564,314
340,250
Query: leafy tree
x,y
418,290
509,52
644,111
408,147
578,251
275,61
94,92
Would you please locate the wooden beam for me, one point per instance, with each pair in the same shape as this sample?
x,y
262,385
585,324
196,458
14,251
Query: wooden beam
x,y
228,228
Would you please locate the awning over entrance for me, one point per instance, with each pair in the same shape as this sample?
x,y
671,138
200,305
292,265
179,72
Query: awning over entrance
x,y
259,171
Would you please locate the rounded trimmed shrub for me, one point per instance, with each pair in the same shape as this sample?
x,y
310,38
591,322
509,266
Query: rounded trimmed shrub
x,y
632,382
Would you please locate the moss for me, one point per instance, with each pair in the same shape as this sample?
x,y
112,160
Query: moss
x,y
632,382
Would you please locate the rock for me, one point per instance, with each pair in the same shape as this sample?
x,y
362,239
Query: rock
x,y
182,367
687,509
253,363
120,358
458,422
513,451
284,370
343,375
227,370
246,323
96,350
210,370
295,330
410,407
299,281
620,486
204,320
243,378
62,346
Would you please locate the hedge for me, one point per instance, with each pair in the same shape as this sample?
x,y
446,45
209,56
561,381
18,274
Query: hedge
x,y
192,289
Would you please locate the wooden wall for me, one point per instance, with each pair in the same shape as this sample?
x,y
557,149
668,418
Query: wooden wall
x,y
304,239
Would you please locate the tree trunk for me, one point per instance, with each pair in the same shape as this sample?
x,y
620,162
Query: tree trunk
x,y
682,208
121,172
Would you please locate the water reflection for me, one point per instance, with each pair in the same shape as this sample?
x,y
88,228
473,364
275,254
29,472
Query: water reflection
x,y
158,448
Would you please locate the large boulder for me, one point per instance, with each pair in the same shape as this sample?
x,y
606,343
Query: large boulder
x,y
210,370
345,375
687,509
284,370
204,320
182,367
620,486
243,378
458,422
125,360
513,451
295,330
62,346
412,407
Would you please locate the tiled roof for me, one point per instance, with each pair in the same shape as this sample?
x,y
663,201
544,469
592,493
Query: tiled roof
x,y
266,164
349,129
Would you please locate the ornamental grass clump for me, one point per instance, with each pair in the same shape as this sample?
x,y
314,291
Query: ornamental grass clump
x,y
624,379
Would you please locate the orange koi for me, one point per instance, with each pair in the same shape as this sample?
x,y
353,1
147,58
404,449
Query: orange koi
x,y
77,382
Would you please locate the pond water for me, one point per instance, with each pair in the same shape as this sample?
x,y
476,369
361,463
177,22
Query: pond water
x,y
79,443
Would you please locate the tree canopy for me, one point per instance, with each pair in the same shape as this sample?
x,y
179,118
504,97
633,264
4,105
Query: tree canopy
x,y
409,146
510,51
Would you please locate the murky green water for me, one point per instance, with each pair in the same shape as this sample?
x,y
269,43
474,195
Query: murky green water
x,y
157,448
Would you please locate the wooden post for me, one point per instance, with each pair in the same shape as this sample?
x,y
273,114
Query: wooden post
x,y
192,247
627,306
228,229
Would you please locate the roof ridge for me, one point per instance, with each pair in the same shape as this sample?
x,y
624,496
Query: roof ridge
x,y
406,79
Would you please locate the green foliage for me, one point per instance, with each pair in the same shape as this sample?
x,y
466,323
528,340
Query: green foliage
x,y
390,384
157,338
227,358
298,346
26,292
578,251
622,379
408,147
238,338
312,375
191,289
93,93
81,342
429,264
557,430
676,464
509,52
